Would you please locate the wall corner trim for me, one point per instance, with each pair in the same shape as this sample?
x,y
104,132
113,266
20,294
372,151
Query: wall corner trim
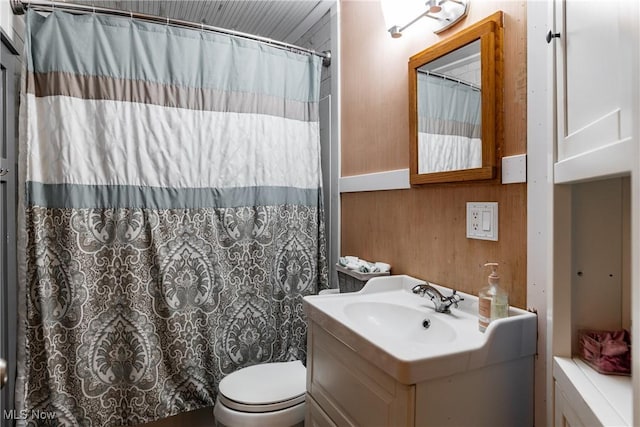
x,y
377,181
514,169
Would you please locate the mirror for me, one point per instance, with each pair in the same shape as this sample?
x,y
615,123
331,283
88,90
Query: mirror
x,y
455,97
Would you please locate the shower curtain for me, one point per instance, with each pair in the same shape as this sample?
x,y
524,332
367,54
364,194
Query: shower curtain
x,y
171,215
449,125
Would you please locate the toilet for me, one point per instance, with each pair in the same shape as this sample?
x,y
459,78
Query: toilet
x,y
265,395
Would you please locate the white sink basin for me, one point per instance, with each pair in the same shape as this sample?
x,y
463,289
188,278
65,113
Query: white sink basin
x,y
384,321
400,323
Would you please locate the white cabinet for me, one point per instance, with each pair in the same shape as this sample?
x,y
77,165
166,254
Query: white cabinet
x,y
585,398
592,289
346,389
594,231
565,415
595,87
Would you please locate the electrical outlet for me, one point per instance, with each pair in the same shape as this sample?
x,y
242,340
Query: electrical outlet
x,y
482,220
476,219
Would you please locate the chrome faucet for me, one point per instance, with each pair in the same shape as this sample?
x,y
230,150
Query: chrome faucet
x,y
441,302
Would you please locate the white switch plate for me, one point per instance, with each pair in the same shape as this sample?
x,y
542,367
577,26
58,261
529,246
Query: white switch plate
x,y
482,220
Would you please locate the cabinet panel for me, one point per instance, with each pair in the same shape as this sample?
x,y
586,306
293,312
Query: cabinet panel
x,y
352,391
599,280
315,416
565,416
591,399
593,75
461,400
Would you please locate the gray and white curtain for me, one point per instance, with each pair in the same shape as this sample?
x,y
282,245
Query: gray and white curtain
x,y
449,125
171,215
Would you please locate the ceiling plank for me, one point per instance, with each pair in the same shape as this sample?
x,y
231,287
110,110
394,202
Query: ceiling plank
x,y
282,20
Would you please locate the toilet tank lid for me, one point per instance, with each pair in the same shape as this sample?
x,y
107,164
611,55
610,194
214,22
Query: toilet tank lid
x,y
265,383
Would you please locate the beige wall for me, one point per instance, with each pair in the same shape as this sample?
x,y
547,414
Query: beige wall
x,y
421,231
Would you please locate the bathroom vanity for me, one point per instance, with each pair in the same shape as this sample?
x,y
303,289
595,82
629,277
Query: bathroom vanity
x,y
384,357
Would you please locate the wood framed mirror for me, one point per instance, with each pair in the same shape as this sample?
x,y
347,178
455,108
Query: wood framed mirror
x,y
455,105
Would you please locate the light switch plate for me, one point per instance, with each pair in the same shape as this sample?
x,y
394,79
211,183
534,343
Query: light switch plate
x,y
482,220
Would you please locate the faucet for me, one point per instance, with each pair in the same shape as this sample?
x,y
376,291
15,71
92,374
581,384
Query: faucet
x,y
441,302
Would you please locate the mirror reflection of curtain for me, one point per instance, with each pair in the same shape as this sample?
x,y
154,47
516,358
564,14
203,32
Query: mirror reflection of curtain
x,y
449,125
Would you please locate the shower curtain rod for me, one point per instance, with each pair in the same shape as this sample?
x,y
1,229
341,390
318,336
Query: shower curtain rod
x,y
445,77
19,6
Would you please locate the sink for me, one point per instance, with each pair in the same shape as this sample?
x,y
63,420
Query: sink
x,y
399,322
384,321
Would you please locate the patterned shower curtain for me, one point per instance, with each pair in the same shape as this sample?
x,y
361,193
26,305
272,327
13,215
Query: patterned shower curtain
x,y
449,125
172,218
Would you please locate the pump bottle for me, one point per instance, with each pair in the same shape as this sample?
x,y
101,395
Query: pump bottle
x,y
493,301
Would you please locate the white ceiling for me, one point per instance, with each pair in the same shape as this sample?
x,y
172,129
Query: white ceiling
x,y
283,20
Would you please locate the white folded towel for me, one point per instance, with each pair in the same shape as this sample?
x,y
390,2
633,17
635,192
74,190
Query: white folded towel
x,y
383,266
363,266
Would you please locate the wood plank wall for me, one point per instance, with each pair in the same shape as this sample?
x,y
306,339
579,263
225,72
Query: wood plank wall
x,y
421,231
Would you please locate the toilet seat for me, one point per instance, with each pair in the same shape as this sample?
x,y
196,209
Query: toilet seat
x,y
260,408
264,388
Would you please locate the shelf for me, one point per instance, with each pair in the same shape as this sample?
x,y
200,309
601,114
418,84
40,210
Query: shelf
x,y
614,159
599,399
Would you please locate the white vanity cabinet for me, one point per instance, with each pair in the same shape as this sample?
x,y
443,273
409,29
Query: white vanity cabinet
x,y
595,45
384,357
345,389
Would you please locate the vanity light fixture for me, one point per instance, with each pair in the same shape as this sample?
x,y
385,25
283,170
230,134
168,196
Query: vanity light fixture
x,y
400,14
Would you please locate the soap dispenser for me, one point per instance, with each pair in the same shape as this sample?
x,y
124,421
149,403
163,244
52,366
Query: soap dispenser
x,y
493,301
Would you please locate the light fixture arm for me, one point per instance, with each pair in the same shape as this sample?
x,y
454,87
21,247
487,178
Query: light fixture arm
x,y
416,19
451,12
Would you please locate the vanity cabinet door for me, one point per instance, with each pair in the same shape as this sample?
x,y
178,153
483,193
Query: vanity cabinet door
x,y
315,416
349,390
594,80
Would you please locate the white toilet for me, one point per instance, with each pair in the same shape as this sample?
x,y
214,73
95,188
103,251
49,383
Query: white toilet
x,y
266,395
